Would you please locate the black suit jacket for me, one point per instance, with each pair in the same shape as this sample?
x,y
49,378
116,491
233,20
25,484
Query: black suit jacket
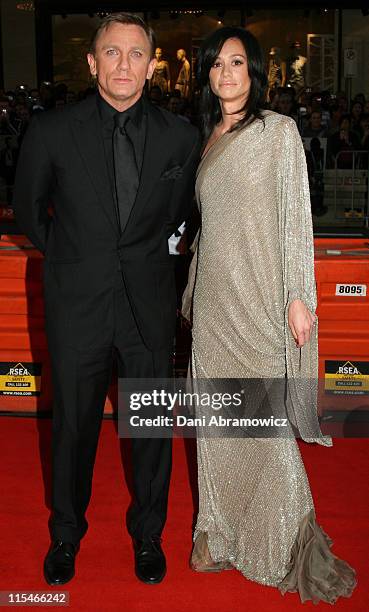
x,y
62,160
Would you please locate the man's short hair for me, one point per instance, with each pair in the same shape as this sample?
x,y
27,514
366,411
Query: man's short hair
x,y
125,19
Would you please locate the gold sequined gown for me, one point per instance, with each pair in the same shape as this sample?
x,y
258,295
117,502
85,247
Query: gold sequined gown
x,y
255,255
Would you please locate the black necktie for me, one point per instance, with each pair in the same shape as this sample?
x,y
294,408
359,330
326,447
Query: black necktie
x,y
125,168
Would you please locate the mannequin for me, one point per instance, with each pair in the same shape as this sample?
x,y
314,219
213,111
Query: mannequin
x,y
161,76
276,70
296,69
183,80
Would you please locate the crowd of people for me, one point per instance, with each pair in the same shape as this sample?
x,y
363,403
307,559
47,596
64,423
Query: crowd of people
x,y
331,125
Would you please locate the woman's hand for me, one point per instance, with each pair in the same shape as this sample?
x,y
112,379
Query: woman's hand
x,y
300,321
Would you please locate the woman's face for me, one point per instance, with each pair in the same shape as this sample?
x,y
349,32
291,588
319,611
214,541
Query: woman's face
x,y
229,75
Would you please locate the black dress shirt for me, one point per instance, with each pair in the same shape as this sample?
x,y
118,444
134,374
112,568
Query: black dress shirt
x,y
136,130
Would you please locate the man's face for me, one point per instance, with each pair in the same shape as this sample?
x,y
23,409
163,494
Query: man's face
x,y
173,105
122,63
22,112
285,105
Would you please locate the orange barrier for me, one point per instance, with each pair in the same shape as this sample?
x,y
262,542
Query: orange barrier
x,y
25,377
342,274
24,364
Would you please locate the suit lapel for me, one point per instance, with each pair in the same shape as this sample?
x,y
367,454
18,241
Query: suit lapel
x,y
154,159
87,132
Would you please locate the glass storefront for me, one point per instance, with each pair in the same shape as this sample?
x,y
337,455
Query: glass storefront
x,y
317,63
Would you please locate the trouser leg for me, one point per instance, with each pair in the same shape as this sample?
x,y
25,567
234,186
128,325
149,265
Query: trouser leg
x,y
81,380
151,457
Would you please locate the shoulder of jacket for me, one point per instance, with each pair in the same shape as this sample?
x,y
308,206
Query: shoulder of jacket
x,y
182,127
50,119
56,118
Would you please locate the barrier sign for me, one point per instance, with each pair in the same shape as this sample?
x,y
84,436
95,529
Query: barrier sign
x,y
350,63
20,379
347,378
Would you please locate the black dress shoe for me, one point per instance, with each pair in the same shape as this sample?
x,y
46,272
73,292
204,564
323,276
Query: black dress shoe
x,y
150,564
59,562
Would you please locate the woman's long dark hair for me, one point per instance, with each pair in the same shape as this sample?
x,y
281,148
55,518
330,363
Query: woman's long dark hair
x,y
210,111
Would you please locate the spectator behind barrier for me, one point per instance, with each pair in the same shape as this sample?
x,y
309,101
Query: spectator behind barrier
x,y
6,127
335,118
364,132
344,140
356,112
359,98
314,129
285,105
155,95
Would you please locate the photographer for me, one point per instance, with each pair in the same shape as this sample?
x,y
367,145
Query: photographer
x,y
6,126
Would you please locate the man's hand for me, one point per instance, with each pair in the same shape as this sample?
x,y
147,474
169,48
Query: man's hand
x,y
300,321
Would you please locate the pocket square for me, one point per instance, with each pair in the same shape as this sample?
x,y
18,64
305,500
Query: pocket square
x,y
172,173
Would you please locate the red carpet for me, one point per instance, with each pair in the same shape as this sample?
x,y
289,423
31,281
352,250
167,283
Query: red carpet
x,y
105,580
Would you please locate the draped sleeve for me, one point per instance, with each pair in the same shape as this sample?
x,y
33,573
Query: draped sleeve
x,y
297,248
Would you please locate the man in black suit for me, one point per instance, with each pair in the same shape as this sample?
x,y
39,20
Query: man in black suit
x,y
119,173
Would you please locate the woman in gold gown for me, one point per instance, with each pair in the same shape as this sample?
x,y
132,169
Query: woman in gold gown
x,y
253,317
